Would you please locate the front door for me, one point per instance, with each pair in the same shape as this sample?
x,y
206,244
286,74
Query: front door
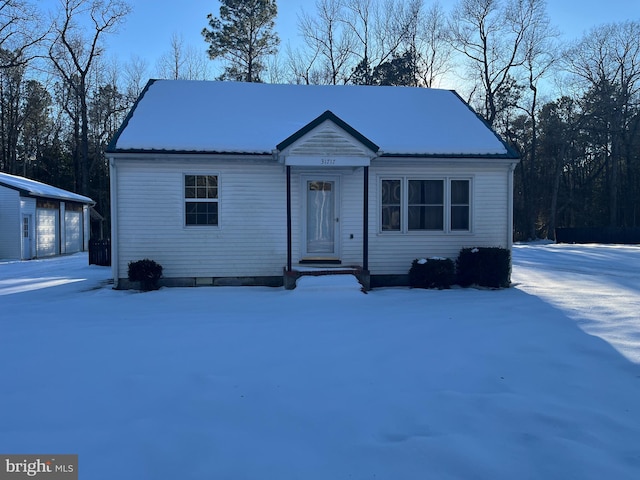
x,y
322,222
26,237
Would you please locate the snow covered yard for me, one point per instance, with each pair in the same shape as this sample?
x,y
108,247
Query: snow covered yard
x,y
324,382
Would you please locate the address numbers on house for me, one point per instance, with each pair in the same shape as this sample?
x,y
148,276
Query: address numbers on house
x,y
313,161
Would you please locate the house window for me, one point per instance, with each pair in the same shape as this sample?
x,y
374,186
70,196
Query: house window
x,y
460,204
425,205
201,199
391,205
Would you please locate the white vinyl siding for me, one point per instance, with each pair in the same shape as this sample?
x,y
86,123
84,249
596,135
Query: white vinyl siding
x,y
10,224
251,238
391,252
249,241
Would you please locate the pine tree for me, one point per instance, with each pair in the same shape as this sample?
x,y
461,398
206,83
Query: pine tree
x,y
243,35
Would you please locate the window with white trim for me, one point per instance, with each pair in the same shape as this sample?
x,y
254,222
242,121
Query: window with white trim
x,y
391,205
425,205
201,200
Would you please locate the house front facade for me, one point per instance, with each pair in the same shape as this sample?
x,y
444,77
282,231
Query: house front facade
x,y
39,220
233,183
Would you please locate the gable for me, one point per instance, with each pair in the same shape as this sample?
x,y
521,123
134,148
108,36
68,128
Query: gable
x,y
327,139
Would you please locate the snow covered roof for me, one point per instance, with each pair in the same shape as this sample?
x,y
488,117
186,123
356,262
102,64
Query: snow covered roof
x,y
253,118
38,189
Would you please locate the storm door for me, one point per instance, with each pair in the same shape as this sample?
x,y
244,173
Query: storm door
x,y
322,221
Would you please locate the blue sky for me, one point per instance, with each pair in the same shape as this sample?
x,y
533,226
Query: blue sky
x,y
148,29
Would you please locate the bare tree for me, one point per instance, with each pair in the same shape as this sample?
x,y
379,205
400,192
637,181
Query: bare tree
x,y
491,34
135,77
182,62
20,31
381,32
429,41
606,61
303,66
73,54
330,41
541,54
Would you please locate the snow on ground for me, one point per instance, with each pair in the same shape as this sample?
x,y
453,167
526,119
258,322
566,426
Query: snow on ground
x,y
537,381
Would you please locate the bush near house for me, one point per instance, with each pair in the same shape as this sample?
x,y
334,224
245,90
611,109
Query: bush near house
x,y
147,272
432,273
484,266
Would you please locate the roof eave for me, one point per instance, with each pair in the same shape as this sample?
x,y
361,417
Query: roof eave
x,y
512,156
153,151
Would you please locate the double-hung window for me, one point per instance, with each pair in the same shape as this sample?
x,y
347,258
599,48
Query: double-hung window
x,y
201,199
460,203
391,205
425,205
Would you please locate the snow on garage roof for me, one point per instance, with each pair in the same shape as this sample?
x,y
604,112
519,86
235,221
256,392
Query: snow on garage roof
x,y
233,117
38,189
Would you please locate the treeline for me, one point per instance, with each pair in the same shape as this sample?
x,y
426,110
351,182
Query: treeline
x,y
570,109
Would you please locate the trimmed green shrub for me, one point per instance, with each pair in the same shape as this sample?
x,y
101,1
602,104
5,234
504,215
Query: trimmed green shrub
x,y
432,273
484,266
147,272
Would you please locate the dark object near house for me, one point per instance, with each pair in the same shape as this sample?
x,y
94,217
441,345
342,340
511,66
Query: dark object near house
x,y
484,266
628,236
147,272
100,252
432,273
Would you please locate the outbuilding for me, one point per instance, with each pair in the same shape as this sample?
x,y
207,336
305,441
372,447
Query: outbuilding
x,y
240,183
39,220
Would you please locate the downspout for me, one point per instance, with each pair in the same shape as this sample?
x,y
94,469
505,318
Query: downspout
x,y
289,235
365,221
512,167
113,181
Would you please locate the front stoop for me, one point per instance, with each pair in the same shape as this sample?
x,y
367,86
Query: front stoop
x,y
291,276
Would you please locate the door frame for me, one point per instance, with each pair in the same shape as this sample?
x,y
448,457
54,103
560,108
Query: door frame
x,y
27,253
337,251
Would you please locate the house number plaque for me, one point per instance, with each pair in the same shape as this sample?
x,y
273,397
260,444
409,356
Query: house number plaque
x,y
338,161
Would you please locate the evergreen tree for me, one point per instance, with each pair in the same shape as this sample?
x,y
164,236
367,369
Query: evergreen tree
x,y
243,35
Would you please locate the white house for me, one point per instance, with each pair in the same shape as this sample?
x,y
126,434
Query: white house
x,y
241,183
39,220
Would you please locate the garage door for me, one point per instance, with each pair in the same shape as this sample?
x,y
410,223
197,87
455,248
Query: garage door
x,y
46,232
73,231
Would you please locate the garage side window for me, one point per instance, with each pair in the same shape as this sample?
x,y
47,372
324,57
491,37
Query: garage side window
x,y
201,199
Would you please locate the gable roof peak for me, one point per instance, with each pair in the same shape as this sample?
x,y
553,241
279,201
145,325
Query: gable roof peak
x,y
328,115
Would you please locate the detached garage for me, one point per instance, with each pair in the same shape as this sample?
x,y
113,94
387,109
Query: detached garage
x,y
38,220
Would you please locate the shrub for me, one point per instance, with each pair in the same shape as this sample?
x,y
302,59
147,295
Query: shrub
x,y
147,272
484,266
431,273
